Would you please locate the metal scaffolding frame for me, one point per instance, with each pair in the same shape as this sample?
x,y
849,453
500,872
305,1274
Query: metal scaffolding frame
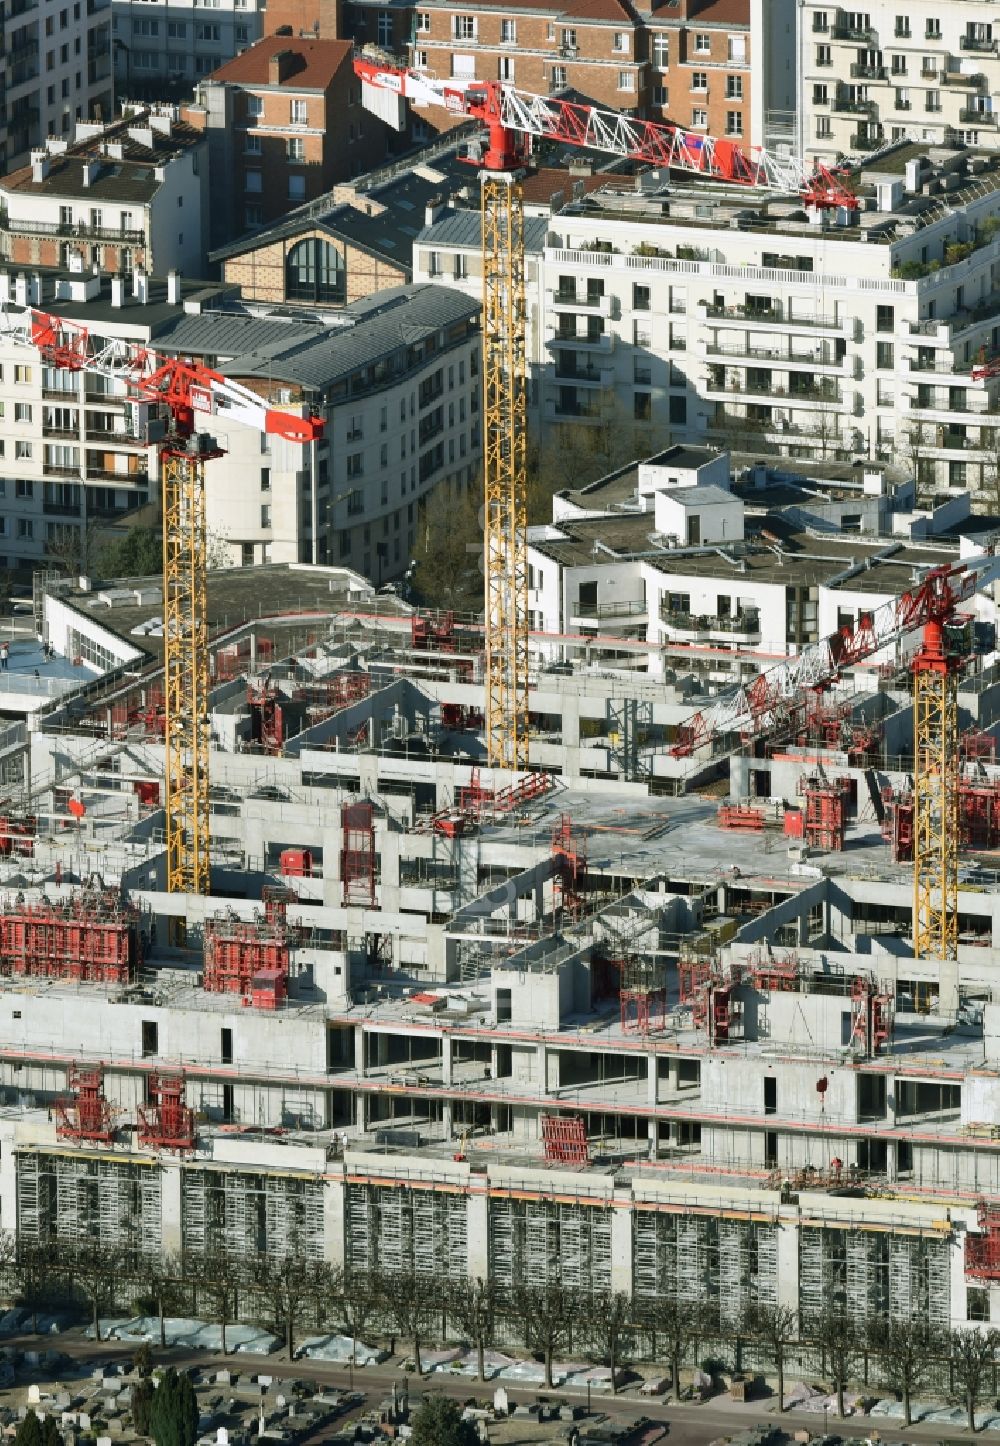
x,y
250,1213
76,1197
703,1259
545,1241
873,1273
399,1228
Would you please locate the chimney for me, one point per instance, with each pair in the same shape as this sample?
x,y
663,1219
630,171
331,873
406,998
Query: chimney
x,y
281,65
117,291
433,211
39,166
174,288
140,287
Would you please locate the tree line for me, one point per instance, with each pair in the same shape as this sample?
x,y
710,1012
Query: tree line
x,y
294,1292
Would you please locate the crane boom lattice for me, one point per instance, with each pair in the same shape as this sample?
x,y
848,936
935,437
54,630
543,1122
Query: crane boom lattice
x,y
935,799
505,482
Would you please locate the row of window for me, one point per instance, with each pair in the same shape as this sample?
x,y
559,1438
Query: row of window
x,y
859,22
160,60
465,27
298,110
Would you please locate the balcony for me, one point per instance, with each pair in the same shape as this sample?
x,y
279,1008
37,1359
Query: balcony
x,y
969,115
71,434
51,470
865,36
82,229
979,45
586,376
120,479
742,629
855,107
603,343
861,142
592,614
61,509
754,316
684,625
587,301
961,81
18,54
796,397
868,72
114,439
576,411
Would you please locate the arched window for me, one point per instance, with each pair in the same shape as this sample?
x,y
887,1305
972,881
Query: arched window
x,y
314,271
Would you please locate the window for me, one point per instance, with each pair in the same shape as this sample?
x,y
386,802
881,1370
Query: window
x,y
824,55
902,99
620,43
420,59
255,106
508,32
24,489
252,182
642,406
295,148
738,48
298,113
824,128
464,27
558,77
821,95
898,65
22,375
626,80
253,216
702,44
699,80
265,514
821,21
253,144
22,450
977,1303
884,356
505,68
384,27
699,119
932,100
25,528
227,1046
150,1038
734,87
659,95
661,52
296,188
355,464
640,298
314,271
423,21
567,40
22,411
734,123
208,32
902,28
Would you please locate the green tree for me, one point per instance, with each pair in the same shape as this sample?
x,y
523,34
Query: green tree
x,y
437,1421
142,1361
142,1405
173,1417
906,1350
29,1432
449,550
973,1353
138,554
774,1327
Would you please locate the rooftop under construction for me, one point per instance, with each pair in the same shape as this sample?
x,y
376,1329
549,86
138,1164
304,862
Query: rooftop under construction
x,y
646,1016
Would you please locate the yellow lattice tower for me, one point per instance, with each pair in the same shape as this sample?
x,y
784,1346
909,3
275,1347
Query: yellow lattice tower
x,y
185,646
505,489
935,798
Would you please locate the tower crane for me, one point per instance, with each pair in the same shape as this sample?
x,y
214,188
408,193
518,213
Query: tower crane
x,y
180,389
777,696
511,118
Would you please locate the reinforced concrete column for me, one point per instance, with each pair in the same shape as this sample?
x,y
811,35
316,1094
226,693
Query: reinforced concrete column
x,y
446,1059
621,1244
478,1234
788,1264
359,1050
171,1219
334,1244
447,1123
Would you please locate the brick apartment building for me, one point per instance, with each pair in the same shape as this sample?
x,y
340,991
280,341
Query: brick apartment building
x,y
725,67
285,123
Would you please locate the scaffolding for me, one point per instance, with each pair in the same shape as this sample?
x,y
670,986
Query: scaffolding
x,y
357,854
643,994
705,1260
251,1213
400,1229
826,810
71,1197
982,1251
166,1122
564,1140
236,954
92,937
872,1274
547,1241
267,719
85,1114
871,1015
773,973
569,880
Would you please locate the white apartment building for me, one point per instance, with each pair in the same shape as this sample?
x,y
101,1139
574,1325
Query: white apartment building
x,y
869,76
162,48
396,380
55,70
130,196
746,320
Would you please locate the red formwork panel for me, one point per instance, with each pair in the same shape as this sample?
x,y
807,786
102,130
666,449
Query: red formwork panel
x,y
85,1114
91,937
564,1140
357,854
166,1122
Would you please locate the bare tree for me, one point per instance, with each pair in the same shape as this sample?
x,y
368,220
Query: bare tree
x,y
905,1349
610,1320
547,1313
973,1353
360,1295
413,1299
472,1305
289,1281
774,1326
841,1343
671,1319
159,1281
218,1278
37,1267
96,1269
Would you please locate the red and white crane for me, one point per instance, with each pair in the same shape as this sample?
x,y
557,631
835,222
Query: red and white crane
x,y
782,693
510,114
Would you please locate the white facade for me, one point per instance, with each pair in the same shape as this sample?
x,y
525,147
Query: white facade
x,y
168,45
871,76
816,340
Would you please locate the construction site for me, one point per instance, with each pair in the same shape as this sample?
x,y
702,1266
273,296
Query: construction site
x,y
652,1029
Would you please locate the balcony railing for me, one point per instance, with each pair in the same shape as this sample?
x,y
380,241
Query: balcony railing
x,y
121,479
50,469
855,107
864,36
61,509
72,433
776,313
982,45
574,298
860,142
78,228
868,72
962,81
971,116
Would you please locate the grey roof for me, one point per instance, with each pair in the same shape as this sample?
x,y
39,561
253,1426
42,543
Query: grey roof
x,y
464,228
313,355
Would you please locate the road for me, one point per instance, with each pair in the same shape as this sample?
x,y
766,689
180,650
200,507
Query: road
x,y
689,1424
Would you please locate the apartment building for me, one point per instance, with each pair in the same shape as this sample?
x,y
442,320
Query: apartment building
x,y
726,315
131,196
56,72
163,47
876,75
284,123
396,380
